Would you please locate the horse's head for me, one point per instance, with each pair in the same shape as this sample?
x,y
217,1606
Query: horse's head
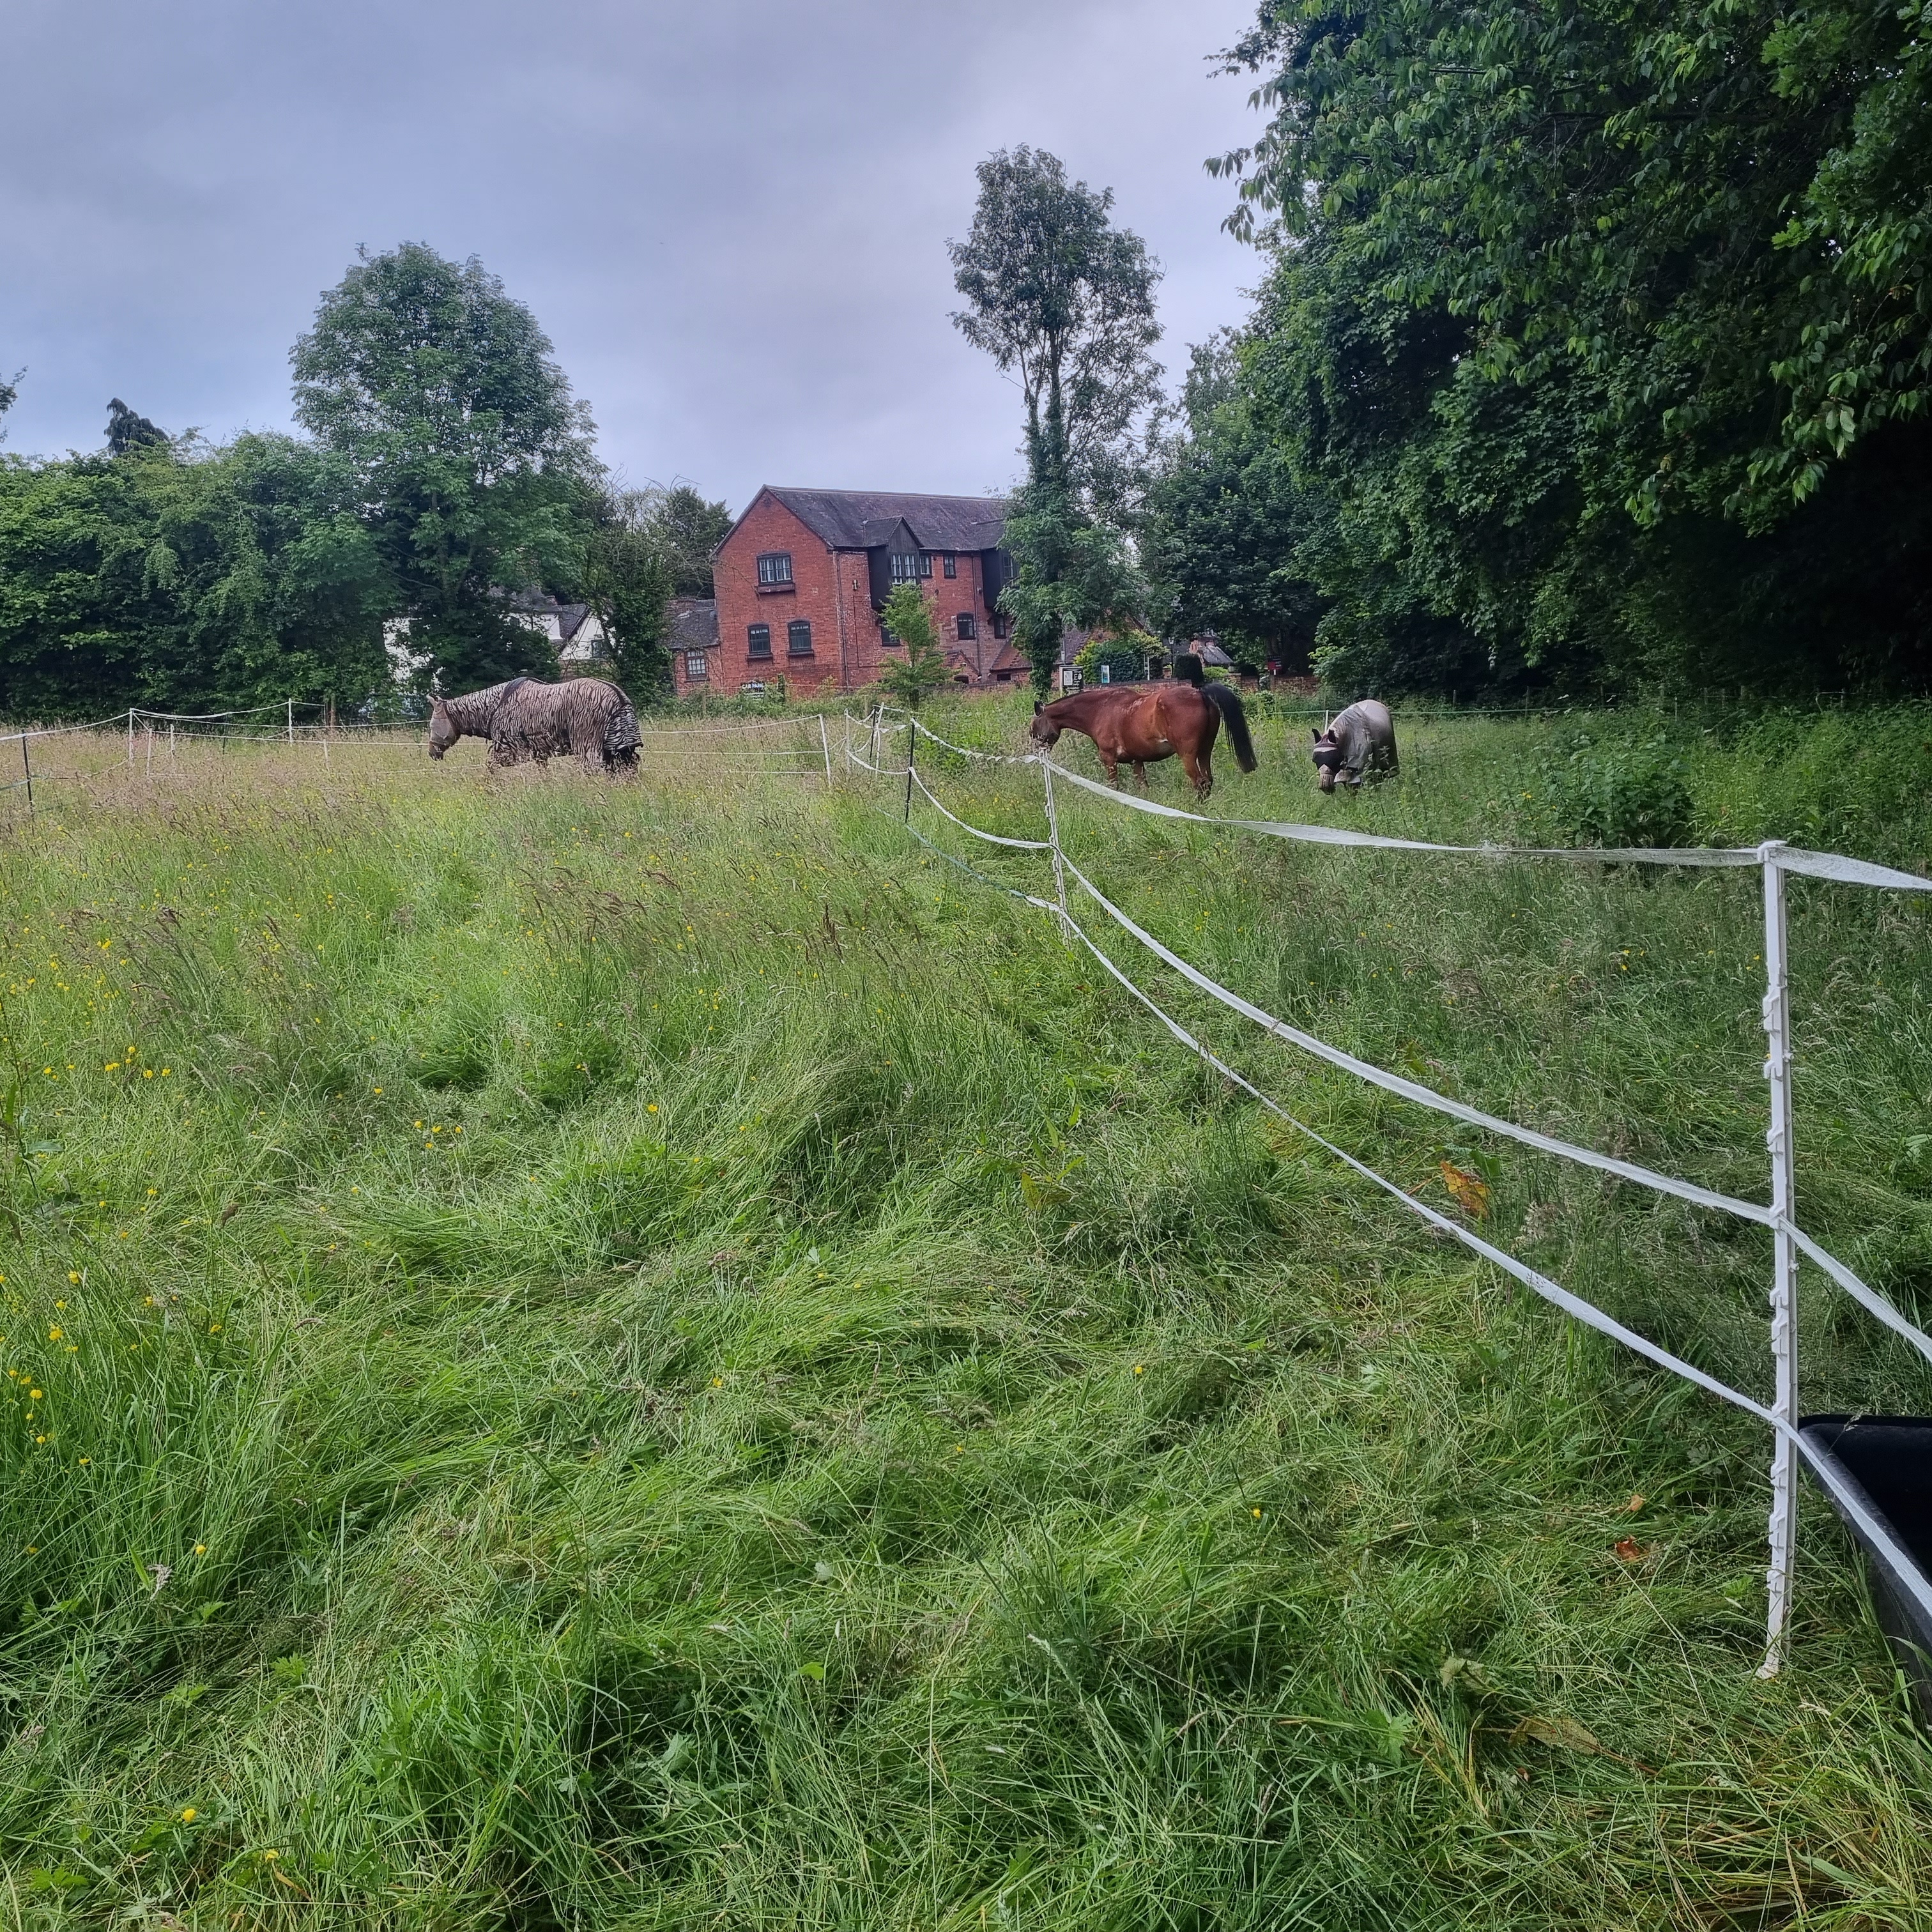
x,y
1044,731
443,731
1327,754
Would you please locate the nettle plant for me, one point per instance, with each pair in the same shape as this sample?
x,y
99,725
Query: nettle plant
x,y
1591,790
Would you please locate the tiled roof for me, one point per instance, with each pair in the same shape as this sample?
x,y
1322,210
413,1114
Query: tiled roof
x,y
693,625
859,519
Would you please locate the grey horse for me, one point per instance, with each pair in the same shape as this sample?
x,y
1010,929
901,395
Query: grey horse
x,y
1358,741
583,718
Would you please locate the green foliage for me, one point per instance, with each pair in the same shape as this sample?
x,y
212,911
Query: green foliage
x,y
919,668
1226,520
440,391
854,1454
1594,789
1576,399
627,579
1072,571
186,578
688,529
1058,295
1125,655
126,430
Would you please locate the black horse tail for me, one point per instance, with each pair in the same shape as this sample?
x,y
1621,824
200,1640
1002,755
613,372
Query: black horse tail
x,y
1228,702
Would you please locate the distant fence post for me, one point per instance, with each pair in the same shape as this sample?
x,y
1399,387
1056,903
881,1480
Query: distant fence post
x,y
291,720
825,745
130,737
912,745
28,769
1784,1260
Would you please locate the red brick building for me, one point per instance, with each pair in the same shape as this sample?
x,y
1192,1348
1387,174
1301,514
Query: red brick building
x,y
803,574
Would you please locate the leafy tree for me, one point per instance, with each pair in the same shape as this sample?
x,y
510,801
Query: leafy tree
x,y
1595,337
1058,296
441,391
1225,522
687,530
126,430
627,579
186,578
914,677
10,393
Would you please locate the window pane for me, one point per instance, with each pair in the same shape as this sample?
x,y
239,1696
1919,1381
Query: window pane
x,y
775,567
952,564
798,637
969,627
694,664
759,637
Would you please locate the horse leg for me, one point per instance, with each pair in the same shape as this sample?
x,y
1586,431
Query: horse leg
x,y
1200,773
1140,772
1111,765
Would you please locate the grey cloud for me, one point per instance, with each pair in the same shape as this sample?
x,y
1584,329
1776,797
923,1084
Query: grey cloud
x,y
730,218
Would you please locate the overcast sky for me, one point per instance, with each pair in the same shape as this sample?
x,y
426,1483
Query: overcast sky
x,y
729,215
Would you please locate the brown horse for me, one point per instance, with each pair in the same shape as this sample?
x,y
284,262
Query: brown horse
x,y
1143,723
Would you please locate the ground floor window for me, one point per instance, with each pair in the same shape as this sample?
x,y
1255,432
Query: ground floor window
x,y
969,627
1002,624
758,641
695,665
798,637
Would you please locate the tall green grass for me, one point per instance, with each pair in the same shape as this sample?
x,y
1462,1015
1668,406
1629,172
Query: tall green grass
x,y
657,1356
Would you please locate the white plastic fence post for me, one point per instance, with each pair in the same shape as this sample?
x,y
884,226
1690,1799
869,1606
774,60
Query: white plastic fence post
x,y
825,745
1053,840
291,720
130,737
1784,1262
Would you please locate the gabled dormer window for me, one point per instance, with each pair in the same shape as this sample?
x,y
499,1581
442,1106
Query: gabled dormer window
x,y
775,567
909,566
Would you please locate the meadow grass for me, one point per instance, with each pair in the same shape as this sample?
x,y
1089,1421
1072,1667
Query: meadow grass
x,y
655,1355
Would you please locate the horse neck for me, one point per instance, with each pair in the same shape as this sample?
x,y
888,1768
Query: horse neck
x,y
473,714
1078,706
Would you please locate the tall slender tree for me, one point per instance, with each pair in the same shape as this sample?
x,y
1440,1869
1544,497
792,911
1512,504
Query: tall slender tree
x,y
1063,300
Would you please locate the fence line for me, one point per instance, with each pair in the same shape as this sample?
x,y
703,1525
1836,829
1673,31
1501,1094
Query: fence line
x,y
1773,859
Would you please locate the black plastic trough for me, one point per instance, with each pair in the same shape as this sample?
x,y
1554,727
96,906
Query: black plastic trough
x,y
1888,1460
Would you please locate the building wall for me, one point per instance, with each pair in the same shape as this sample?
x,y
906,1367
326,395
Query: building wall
x,y
832,591
743,601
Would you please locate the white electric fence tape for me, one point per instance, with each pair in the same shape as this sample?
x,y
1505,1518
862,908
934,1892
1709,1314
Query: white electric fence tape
x,y
1585,1312
991,837
1770,859
966,751
1818,864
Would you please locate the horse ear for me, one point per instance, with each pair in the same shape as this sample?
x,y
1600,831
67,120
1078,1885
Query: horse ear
x,y
1314,734
1038,707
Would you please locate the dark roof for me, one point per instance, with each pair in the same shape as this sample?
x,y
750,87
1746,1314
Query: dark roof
x,y
693,624
859,519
